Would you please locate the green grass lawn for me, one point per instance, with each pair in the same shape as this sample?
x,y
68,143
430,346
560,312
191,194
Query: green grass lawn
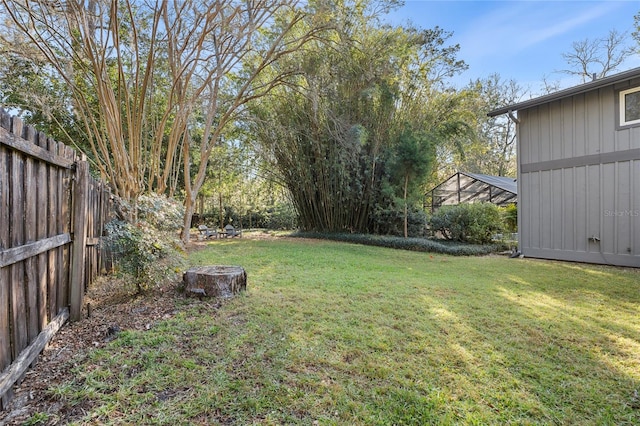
x,y
340,334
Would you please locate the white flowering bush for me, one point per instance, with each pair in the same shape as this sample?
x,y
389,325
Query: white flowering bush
x,y
147,249
163,213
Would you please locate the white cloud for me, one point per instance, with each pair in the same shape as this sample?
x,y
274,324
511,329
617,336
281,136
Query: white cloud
x,y
516,26
521,40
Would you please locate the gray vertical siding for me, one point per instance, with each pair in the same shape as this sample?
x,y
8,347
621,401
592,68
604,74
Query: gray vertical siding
x,y
574,202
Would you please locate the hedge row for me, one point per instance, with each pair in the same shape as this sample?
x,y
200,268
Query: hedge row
x,y
413,244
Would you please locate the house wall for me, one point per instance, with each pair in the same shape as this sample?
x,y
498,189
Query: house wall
x,y
579,180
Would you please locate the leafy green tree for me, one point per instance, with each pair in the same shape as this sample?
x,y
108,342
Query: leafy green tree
x,y
484,144
149,78
414,154
329,131
35,92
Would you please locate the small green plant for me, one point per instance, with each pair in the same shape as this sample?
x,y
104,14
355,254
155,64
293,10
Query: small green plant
x,y
148,249
37,419
510,217
473,223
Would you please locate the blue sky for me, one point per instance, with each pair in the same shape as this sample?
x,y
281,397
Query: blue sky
x,y
521,40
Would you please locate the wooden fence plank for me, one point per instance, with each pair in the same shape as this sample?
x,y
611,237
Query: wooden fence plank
x,y
5,327
106,215
80,194
18,303
13,140
94,230
41,234
18,254
88,258
52,224
92,267
30,265
5,292
64,226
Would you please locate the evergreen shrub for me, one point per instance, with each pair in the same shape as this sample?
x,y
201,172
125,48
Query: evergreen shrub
x,y
510,217
281,216
413,244
390,221
474,223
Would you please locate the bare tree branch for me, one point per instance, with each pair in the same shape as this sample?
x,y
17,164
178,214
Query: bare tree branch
x,y
598,57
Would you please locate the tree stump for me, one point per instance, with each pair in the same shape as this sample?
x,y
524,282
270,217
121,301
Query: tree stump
x,y
215,281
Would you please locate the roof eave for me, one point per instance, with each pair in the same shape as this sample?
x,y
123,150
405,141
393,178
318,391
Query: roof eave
x,y
565,93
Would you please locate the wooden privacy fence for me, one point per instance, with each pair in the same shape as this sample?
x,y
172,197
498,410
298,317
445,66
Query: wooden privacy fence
x,y
51,218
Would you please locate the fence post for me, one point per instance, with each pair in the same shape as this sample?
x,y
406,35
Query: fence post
x,y
80,195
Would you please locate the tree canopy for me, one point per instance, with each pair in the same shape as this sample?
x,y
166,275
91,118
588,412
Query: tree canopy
x,y
354,117
146,78
331,130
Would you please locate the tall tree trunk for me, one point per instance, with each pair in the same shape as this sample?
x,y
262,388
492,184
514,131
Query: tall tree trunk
x,y
220,213
406,209
189,205
189,199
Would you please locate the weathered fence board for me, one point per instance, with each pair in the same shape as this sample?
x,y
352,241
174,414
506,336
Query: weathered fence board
x,y
16,227
48,250
5,331
26,251
52,229
65,226
26,147
30,264
81,191
41,234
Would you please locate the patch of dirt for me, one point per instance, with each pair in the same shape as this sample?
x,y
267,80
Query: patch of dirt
x,y
112,309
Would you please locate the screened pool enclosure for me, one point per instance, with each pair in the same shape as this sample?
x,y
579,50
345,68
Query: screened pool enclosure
x,y
465,187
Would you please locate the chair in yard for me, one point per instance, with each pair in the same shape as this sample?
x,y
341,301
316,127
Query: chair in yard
x,y
205,232
232,232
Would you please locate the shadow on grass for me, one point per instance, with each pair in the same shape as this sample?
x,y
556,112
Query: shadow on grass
x,y
350,335
563,344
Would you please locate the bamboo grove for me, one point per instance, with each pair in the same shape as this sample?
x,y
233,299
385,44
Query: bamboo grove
x,y
336,132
